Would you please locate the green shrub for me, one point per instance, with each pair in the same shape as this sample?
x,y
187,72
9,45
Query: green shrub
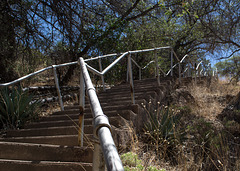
x,y
16,108
132,163
130,159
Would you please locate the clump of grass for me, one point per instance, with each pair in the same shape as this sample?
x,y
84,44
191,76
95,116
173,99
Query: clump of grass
x,y
16,108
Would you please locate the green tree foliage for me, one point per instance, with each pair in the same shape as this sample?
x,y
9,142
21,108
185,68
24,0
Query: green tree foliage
x,y
89,28
230,68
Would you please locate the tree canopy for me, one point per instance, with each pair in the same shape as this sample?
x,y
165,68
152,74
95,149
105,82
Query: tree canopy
x,y
42,31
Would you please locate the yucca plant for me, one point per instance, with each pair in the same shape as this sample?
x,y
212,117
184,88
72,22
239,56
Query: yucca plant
x,y
16,108
162,131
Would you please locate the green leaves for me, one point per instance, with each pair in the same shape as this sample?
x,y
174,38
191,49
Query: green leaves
x,y
16,108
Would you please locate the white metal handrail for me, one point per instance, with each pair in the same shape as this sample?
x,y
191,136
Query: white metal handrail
x,y
102,72
102,128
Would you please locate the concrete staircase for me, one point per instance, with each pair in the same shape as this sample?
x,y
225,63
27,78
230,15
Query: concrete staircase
x,y
51,143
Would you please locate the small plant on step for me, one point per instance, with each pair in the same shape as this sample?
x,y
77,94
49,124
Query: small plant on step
x,y
162,132
16,108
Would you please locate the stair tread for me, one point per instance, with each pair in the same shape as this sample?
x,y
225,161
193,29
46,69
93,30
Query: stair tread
x,y
23,165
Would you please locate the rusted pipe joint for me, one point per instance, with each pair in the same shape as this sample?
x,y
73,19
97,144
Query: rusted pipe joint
x,y
100,121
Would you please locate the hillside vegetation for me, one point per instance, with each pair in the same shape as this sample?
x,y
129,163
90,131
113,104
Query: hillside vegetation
x,y
199,139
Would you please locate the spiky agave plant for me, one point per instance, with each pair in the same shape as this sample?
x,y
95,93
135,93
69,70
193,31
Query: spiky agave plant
x,y
16,108
162,130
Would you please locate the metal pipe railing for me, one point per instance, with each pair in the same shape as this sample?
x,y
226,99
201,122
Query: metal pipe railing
x,y
131,79
171,63
81,108
157,67
139,69
58,88
25,77
102,77
102,128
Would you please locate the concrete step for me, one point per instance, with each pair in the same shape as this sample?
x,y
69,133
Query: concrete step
x,y
105,108
41,152
122,95
29,165
59,123
127,93
60,116
126,88
143,83
62,140
66,130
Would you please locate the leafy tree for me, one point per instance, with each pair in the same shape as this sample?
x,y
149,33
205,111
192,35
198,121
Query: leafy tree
x,y
89,28
230,68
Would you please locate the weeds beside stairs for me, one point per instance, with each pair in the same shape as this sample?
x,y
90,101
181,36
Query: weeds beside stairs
x,y
52,143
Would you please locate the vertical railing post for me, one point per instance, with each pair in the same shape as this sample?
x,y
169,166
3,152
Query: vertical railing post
x,y
81,114
179,71
58,88
171,62
131,78
216,74
140,73
195,70
127,73
98,158
157,67
102,77
199,74
189,74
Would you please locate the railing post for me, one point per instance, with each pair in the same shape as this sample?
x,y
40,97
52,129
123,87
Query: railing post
x,y
216,74
140,73
58,88
157,67
171,62
199,74
189,74
102,77
195,70
98,158
179,71
131,78
127,73
81,114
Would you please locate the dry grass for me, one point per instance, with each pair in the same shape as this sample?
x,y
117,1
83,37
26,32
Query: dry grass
x,y
210,101
209,146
